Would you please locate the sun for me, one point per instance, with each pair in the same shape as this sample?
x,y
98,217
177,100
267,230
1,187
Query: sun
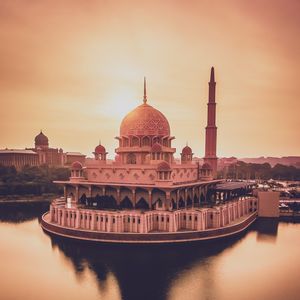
x,y
120,102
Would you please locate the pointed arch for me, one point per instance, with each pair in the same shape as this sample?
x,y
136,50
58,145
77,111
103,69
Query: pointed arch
x,y
142,204
146,141
173,203
83,199
181,203
196,200
202,198
126,203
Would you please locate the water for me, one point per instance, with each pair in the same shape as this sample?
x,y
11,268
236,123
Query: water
x,y
263,263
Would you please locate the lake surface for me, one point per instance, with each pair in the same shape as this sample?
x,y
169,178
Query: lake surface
x,y
262,263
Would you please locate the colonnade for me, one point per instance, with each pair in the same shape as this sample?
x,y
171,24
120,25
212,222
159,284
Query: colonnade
x,y
136,221
170,199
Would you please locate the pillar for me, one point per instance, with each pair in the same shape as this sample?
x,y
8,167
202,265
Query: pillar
x,y
76,194
168,199
150,198
118,196
65,193
133,198
77,222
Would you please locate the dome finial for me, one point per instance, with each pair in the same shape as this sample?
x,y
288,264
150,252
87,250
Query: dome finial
x,y
145,91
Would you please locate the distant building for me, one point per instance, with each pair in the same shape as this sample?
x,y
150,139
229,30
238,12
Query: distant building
x,y
70,157
18,158
39,155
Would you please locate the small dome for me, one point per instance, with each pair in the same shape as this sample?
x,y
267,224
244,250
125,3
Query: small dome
x,y
206,166
145,120
76,165
187,150
163,166
41,140
156,147
100,149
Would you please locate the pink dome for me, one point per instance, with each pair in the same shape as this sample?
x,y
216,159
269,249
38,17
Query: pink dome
x,y
156,147
100,149
145,120
76,165
163,166
187,150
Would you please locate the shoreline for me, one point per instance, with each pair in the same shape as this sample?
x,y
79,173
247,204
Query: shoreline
x,y
27,198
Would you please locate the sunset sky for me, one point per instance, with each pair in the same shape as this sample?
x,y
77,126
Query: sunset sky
x,y
75,68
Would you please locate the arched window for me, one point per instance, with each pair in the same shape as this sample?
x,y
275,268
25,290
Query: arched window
x,y
131,159
159,203
125,142
146,141
135,141
156,140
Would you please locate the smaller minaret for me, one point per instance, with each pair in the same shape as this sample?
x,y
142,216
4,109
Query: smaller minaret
x,y
145,91
211,129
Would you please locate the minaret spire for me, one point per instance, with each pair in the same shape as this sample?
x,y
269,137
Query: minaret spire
x,y
145,91
211,129
212,74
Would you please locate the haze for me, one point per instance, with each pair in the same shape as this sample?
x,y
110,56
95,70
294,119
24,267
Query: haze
x,y
75,68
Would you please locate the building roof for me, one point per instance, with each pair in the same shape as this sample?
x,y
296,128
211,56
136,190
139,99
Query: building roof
x,y
100,149
229,186
75,153
76,165
187,150
145,120
17,151
163,166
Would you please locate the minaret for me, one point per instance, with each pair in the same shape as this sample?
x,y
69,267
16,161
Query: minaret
x,y
211,129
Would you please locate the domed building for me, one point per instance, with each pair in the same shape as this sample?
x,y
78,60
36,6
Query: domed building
x,y
41,141
40,154
53,156
143,191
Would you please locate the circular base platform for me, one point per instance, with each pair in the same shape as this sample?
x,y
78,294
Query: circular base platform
x,y
152,237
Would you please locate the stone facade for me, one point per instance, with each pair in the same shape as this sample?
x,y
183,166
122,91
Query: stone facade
x,y
135,221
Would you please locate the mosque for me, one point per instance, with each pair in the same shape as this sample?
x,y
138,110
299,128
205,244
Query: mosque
x,y
144,195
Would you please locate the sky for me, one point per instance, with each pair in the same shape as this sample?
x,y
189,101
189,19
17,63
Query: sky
x,y
75,68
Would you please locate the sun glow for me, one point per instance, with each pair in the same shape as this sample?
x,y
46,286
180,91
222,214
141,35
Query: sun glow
x,y
119,103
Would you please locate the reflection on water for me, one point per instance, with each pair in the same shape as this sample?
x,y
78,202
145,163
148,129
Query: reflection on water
x,y
241,268
17,212
142,272
267,229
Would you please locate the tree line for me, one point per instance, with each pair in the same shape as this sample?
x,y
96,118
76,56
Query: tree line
x,y
242,170
31,180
